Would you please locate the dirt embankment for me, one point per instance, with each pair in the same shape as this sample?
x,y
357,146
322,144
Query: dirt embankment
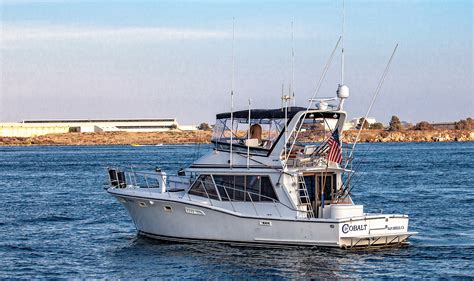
x,y
186,137
116,138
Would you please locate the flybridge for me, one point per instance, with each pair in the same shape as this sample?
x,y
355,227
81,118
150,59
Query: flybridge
x,y
273,131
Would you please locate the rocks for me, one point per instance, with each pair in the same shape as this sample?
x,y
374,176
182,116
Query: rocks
x,y
184,137
409,136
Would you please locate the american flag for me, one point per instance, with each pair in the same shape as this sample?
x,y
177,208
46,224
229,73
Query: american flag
x,y
335,150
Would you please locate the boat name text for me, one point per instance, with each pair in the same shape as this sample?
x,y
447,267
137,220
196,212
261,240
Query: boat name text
x,y
347,227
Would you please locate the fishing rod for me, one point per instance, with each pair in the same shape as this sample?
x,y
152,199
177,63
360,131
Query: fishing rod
x,y
346,190
353,176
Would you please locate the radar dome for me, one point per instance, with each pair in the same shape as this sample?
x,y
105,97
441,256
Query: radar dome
x,y
343,92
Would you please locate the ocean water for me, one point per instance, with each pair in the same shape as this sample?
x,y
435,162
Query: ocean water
x,y
56,221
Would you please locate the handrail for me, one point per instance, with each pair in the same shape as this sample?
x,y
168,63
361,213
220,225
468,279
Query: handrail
x,y
134,183
270,200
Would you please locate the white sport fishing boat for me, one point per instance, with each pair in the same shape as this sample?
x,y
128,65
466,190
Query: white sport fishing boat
x,y
274,177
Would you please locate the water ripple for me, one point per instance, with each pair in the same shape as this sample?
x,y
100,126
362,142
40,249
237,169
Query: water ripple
x,y
57,222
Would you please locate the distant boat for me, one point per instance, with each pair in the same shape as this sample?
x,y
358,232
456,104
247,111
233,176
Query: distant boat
x,y
135,144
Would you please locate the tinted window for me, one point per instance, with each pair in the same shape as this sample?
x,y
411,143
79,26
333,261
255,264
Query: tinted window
x,y
204,187
245,188
267,190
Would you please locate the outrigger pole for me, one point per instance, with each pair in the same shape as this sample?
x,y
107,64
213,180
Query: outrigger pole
x,y
374,97
232,95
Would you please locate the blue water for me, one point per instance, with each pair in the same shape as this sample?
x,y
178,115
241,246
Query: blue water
x,y
57,221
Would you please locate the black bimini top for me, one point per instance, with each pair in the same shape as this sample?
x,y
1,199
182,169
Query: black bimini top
x,y
263,113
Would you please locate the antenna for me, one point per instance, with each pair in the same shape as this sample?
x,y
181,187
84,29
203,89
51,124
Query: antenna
x,y
342,41
282,94
248,136
342,90
232,95
292,67
285,99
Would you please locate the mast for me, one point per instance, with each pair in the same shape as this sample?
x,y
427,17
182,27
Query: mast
x,y
232,96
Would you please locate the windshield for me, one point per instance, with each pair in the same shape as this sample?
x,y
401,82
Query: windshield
x,y
259,134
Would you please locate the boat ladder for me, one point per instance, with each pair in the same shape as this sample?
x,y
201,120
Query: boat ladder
x,y
304,197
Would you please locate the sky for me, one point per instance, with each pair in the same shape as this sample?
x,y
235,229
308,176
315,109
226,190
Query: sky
x,y
65,59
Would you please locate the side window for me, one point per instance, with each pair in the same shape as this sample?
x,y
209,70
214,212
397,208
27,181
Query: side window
x,y
204,186
222,182
267,190
245,188
253,187
239,188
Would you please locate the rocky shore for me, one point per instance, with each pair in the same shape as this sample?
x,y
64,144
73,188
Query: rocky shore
x,y
187,137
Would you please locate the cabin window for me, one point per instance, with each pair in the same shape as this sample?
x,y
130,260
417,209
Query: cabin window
x,y
245,188
204,186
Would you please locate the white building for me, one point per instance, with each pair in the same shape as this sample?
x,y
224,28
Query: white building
x,y
355,121
28,128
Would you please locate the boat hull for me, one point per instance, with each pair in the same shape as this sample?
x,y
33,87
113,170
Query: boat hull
x,y
175,220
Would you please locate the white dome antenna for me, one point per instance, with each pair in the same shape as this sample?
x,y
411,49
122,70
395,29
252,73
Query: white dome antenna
x,y
342,94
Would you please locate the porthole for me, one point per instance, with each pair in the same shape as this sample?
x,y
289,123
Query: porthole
x,y
142,204
168,209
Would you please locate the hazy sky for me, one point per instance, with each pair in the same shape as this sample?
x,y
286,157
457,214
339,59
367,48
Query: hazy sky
x,y
125,59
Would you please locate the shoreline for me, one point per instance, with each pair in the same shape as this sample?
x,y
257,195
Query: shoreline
x,y
203,137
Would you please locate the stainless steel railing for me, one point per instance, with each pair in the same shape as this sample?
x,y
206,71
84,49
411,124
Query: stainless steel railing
x,y
247,194
120,178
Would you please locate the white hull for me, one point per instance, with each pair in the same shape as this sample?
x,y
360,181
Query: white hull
x,y
181,220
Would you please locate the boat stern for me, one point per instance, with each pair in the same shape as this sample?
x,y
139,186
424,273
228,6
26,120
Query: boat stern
x,y
374,230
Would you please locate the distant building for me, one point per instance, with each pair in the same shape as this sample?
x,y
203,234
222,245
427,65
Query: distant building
x,y
355,121
28,128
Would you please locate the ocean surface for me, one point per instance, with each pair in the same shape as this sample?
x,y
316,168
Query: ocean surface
x,y
56,220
